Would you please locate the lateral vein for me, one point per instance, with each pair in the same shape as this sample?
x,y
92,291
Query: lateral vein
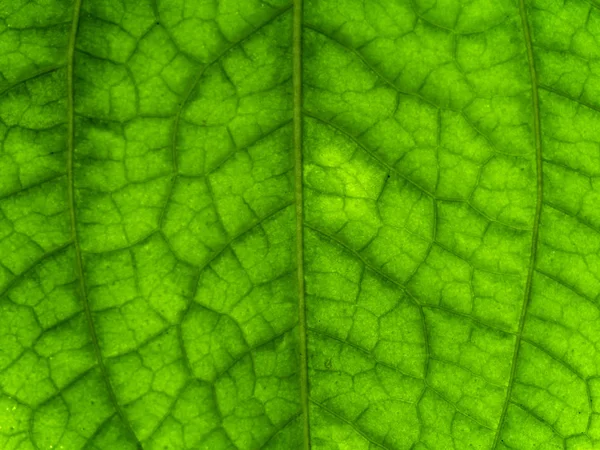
x,y
538,212
188,93
297,136
72,207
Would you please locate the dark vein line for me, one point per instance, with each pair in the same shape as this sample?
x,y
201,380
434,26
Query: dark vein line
x,y
367,150
571,289
35,263
241,149
129,245
585,223
537,417
190,89
281,428
538,212
32,186
556,358
350,424
480,376
250,348
241,233
99,429
365,352
564,166
432,195
72,207
366,263
37,74
218,253
141,344
392,84
399,371
384,79
171,408
568,97
297,25
588,391
456,407
187,364
477,321
389,279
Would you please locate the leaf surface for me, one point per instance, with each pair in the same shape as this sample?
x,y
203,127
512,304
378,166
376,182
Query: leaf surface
x,y
326,224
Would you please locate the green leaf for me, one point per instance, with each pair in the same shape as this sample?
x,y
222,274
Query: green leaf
x,y
276,224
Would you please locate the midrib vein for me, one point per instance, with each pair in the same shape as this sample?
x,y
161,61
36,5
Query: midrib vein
x,y
538,212
297,89
72,208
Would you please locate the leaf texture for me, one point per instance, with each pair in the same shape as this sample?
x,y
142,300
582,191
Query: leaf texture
x,y
307,224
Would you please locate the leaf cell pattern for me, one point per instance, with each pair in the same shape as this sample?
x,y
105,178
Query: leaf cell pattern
x,y
152,209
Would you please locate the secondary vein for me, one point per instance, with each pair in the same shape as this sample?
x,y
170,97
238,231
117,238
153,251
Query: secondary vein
x,y
188,93
297,92
538,212
73,215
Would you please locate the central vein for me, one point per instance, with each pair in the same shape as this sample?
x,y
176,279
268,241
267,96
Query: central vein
x,y
538,212
297,88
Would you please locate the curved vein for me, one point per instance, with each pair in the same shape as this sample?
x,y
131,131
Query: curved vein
x,y
538,212
190,89
74,235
